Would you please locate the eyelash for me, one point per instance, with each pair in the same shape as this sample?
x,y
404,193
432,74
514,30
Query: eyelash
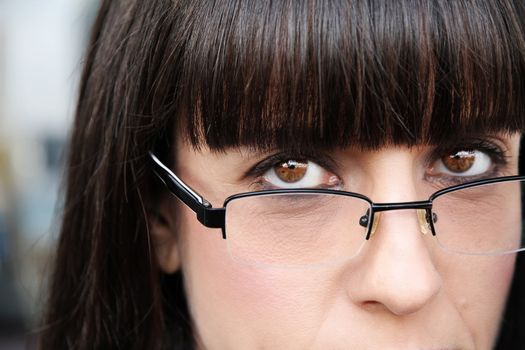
x,y
257,172
497,154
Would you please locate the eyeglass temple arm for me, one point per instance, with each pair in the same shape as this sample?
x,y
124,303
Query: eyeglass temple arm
x,y
208,216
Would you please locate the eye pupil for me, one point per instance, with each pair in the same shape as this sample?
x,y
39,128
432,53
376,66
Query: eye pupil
x,y
291,170
459,161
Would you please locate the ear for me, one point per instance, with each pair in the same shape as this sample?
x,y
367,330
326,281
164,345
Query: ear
x,y
163,231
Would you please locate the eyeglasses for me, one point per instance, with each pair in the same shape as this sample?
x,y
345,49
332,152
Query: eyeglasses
x,y
304,227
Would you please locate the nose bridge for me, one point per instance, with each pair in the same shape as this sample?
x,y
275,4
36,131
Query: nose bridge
x,y
402,227
395,188
402,221
422,210
393,174
396,266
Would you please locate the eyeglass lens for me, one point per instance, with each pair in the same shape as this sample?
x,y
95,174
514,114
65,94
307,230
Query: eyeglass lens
x,y
484,219
317,228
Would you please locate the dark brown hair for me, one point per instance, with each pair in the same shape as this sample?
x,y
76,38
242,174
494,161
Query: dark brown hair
x,y
287,74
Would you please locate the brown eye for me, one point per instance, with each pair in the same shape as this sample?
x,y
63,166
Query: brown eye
x,y
460,161
462,164
291,170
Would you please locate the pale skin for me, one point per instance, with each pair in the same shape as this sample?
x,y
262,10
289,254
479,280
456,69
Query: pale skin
x,y
400,292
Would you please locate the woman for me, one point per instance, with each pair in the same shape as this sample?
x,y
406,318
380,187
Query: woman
x,y
389,102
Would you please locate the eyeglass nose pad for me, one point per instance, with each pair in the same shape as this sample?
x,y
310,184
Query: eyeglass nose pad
x,y
375,223
365,219
424,216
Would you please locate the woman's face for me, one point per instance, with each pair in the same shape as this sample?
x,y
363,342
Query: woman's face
x,y
401,291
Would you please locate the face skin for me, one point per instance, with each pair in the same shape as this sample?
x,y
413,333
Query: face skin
x,y
400,292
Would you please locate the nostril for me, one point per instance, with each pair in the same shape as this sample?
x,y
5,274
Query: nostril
x,y
373,306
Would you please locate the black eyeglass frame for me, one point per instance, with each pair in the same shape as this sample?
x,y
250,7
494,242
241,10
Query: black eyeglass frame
x,y
215,217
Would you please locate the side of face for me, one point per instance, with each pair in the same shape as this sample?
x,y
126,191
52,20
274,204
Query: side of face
x,y
402,291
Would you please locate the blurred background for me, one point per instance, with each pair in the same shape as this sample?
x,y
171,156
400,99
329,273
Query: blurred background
x,y
41,47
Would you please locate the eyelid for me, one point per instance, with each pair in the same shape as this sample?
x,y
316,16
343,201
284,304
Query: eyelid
x,y
495,148
492,146
320,158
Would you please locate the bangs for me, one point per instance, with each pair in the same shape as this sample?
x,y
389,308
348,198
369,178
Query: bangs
x,y
293,74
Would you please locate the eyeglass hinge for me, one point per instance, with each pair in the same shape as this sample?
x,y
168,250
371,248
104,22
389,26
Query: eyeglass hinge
x,y
211,217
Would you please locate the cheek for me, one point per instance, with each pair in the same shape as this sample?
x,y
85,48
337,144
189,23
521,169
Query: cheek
x,y
478,286
238,306
226,297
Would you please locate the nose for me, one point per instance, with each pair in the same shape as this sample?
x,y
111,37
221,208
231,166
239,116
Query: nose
x,y
396,271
